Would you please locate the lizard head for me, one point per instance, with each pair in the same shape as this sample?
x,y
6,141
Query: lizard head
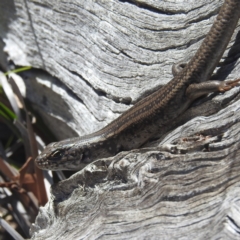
x,y
62,156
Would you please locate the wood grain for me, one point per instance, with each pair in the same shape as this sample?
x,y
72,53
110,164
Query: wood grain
x,y
152,194
100,57
95,59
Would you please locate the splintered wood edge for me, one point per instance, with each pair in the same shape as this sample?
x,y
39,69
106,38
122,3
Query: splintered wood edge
x,y
151,193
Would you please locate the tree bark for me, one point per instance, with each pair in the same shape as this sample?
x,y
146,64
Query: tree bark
x,y
92,61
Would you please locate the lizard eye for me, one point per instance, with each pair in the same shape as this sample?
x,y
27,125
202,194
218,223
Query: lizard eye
x,y
56,155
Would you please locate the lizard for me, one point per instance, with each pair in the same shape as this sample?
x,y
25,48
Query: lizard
x,y
139,123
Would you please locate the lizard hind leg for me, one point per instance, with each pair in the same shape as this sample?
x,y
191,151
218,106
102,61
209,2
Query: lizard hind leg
x,y
228,84
197,90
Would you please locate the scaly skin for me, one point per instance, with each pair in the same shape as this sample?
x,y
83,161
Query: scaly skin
x,y
139,124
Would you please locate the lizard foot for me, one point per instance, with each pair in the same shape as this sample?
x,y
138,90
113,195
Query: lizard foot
x,y
228,84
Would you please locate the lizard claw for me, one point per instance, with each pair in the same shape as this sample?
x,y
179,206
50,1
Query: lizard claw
x,y
229,84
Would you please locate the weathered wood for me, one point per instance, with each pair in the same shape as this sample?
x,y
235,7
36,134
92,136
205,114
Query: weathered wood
x,y
151,194
99,58
105,55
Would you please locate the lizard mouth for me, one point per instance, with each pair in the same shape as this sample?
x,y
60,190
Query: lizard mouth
x,y
45,164
71,165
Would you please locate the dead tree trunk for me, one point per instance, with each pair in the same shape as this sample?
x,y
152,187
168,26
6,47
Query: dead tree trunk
x,y
93,60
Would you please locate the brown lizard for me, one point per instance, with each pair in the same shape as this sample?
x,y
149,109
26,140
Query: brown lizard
x,y
139,124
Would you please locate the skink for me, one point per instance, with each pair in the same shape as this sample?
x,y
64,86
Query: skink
x,y
141,122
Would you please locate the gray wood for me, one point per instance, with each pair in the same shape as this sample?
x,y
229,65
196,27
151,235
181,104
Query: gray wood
x,y
152,194
93,60
149,193
104,55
